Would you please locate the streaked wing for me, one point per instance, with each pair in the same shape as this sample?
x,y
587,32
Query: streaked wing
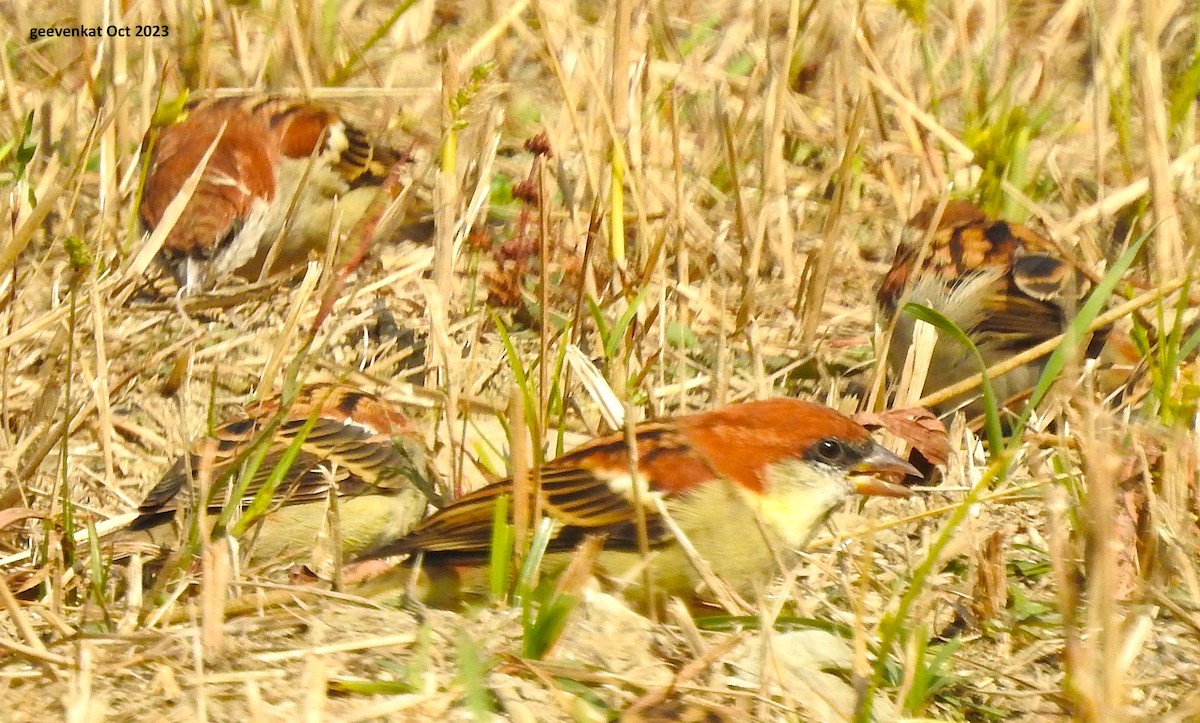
x,y
579,501
587,505
1022,307
1016,320
966,242
587,491
175,488
1041,276
303,128
345,456
364,162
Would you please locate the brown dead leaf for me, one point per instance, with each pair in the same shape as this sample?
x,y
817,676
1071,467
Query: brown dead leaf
x,y
579,571
917,426
13,515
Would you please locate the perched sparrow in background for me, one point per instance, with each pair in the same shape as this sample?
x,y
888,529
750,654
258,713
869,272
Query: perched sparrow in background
x,y
360,447
270,153
1000,282
747,484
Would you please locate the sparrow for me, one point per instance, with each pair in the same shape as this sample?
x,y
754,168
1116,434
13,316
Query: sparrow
x,y
1002,283
360,449
269,155
747,485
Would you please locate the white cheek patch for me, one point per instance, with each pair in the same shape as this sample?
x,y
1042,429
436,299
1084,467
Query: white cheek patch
x,y
336,141
800,497
245,244
622,484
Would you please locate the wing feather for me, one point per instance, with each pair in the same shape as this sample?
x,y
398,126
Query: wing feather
x,y
337,453
586,491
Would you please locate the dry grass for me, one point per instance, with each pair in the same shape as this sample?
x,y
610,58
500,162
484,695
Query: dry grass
x,y
724,190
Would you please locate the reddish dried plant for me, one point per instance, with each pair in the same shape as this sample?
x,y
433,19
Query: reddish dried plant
x,y
518,261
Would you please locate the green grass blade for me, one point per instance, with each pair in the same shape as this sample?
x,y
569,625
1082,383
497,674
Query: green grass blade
x,y
1077,330
265,497
893,625
527,577
991,408
501,550
520,375
613,340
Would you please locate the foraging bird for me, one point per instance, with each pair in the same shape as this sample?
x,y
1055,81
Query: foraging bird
x,y
1001,282
747,485
358,449
277,166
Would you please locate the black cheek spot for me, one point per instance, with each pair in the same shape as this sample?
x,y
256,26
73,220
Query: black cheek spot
x,y
350,402
240,427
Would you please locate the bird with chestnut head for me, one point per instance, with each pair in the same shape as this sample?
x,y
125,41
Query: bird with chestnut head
x,y
280,173
746,485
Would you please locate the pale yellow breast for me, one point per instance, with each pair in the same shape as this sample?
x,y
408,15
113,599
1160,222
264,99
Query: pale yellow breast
x,y
363,521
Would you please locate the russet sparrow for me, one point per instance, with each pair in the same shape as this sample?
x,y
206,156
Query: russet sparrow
x,y
279,169
1002,283
746,484
358,448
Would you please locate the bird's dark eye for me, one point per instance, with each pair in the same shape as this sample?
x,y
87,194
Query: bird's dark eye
x,y
830,451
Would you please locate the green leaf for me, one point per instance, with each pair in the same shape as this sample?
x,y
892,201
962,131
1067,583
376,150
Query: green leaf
x,y
893,625
991,408
618,331
533,559
501,550
597,314
548,625
473,666
1190,344
682,336
1186,88
1077,330
520,377
359,686
915,10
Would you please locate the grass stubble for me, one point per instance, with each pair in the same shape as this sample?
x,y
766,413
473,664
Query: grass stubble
x,y
723,187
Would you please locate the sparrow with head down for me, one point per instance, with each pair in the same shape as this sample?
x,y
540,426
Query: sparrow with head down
x,y
746,485
355,447
1005,285
279,169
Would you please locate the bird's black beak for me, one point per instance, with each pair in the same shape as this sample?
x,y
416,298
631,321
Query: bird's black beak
x,y
879,460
